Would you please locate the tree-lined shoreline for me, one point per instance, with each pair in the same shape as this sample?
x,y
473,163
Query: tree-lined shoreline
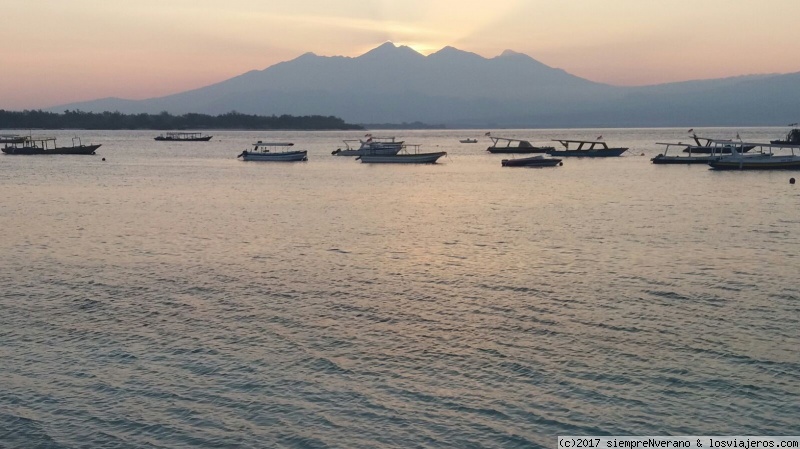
x,y
233,120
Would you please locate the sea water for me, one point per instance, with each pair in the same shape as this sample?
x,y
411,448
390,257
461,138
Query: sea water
x,y
175,296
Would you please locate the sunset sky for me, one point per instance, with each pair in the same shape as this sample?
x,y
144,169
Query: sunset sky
x,y
58,51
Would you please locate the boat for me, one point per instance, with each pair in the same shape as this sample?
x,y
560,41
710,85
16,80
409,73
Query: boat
x,y
12,138
665,158
763,160
533,161
519,147
47,145
273,152
586,148
704,145
373,145
403,158
183,137
792,138
468,140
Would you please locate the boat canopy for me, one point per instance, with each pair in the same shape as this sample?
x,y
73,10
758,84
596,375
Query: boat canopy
x,y
272,144
731,143
521,143
581,143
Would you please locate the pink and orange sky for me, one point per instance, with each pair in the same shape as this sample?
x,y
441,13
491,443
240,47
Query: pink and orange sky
x,y
59,51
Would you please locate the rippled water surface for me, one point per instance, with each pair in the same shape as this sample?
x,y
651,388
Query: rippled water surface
x,y
173,296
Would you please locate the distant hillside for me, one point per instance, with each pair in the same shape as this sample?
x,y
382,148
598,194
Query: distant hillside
x,y
392,84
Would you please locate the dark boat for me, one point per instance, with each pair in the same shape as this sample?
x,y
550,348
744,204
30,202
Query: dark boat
x,y
533,161
793,138
47,145
706,146
587,148
521,147
183,137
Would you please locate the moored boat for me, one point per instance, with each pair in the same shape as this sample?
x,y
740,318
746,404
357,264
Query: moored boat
x,y
792,138
764,160
468,140
586,148
183,137
376,145
533,161
665,158
705,145
47,145
403,158
273,152
515,146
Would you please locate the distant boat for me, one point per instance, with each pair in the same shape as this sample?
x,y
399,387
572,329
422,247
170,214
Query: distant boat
x,y
402,158
373,145
47,145
468,140
519,147
273,152
12,138
759,161
586,148
533,161
793,138
665,158
706,144
183,137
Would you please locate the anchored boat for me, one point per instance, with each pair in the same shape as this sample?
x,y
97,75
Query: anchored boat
x,y
403,158
764,160
47,145
508,146
665,158
586,148
373,145
533,161
273,152
183,137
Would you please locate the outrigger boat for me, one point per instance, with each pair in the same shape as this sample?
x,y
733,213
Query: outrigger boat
x,y
262,151
663,158
183,137
586,148
533,161
373,145
520,147
738,160
706,146
402,158
47,145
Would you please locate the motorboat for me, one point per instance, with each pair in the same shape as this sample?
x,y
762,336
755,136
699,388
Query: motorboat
x,y
666,158
586,148
765,159
405,157
183,137
468,140
517,146
273,152
792,138
373,145
533,161
47,145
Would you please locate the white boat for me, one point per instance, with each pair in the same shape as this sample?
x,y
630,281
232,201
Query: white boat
x,y
403,158
765,159
372,145
273,152
666,158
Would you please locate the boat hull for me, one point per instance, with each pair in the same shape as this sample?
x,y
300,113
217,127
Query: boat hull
x,y
603,152
79,149
192,139
661,159
288,156
536,161
520,150
757,163
419,158
715,150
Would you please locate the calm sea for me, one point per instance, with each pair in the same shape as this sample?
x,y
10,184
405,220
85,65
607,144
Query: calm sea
x,y
173,296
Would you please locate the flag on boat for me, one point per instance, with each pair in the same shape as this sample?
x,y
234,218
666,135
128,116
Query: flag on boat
x,y
369,140
599,137
488,134
691,130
